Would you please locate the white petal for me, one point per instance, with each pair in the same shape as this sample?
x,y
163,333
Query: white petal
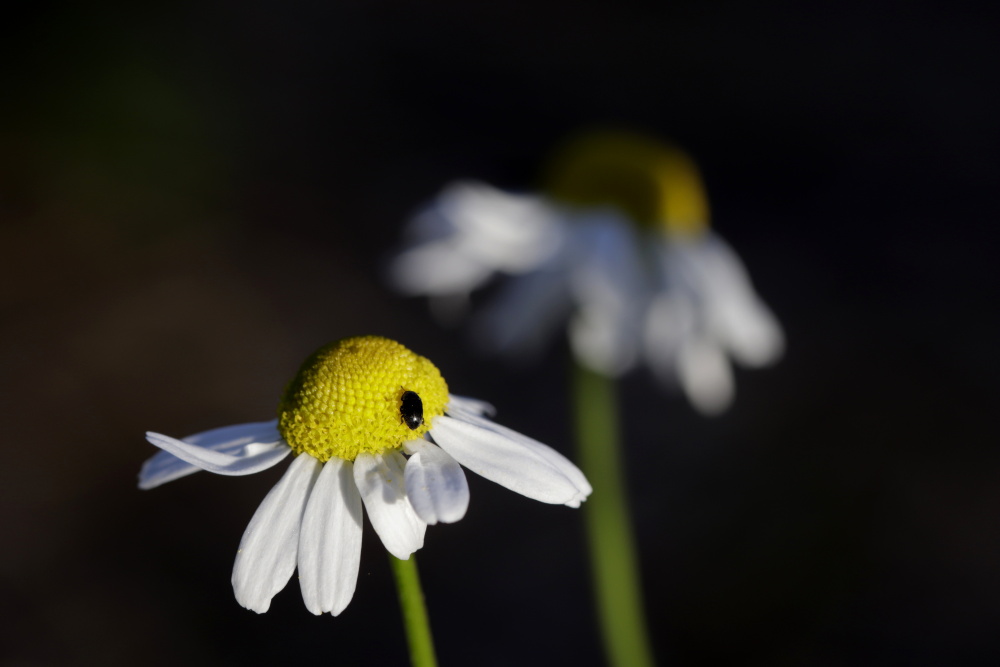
x,y
435,484
330,541
750,331
469,405
381,481
164,467
470,232
706,376
603,340
437,268
734,313
609,286
266,557
509,232
554,458
669,323
250,458
511,460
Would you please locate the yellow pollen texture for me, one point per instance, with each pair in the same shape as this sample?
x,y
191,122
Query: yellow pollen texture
x,y
347,396
654,184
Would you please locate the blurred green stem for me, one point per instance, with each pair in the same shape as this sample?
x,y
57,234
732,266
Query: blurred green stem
x,y
411,601
614,565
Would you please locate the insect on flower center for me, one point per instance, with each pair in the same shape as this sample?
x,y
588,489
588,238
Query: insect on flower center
x,y
653,184
363,394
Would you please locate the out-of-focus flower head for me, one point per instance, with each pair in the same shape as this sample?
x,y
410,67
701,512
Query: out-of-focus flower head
x,y
618,248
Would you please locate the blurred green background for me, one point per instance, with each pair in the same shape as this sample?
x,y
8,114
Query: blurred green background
x,y
194,196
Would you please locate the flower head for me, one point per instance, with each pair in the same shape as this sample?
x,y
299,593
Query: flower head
x,y
370,423
618,250
365,394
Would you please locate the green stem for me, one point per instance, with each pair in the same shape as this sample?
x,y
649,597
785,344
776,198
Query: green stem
x,y
411,601
614,565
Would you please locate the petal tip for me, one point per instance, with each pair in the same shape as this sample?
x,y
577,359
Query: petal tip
x,y
453,518
260,608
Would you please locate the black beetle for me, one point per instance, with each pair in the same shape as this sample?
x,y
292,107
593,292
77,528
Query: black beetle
x,y
412,410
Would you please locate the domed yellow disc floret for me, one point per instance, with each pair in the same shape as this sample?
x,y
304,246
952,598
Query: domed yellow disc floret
x,y
653,183
364,394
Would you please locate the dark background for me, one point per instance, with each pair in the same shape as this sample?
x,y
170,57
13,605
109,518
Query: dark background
x,y
194,196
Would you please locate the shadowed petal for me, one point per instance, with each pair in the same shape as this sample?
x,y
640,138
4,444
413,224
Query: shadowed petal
x,y
380,480
610,290
330,541
266,557
706,376
671,321
435,484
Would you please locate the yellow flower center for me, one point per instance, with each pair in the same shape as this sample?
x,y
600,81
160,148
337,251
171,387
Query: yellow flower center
x,y
652,183
363,394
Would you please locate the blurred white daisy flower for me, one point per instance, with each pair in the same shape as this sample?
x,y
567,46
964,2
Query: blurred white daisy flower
x,y
618,250
370,423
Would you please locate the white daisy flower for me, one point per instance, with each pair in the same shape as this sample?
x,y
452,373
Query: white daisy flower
x,y
618,251
579,268
370,423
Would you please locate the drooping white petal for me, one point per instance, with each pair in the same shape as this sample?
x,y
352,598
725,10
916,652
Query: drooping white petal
x,y
435,484
750,331
603,339
706,376
164,467
734,314
381,482
669,323
469,405
266,557
248,458
511,459
609,288
554,458
330,540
